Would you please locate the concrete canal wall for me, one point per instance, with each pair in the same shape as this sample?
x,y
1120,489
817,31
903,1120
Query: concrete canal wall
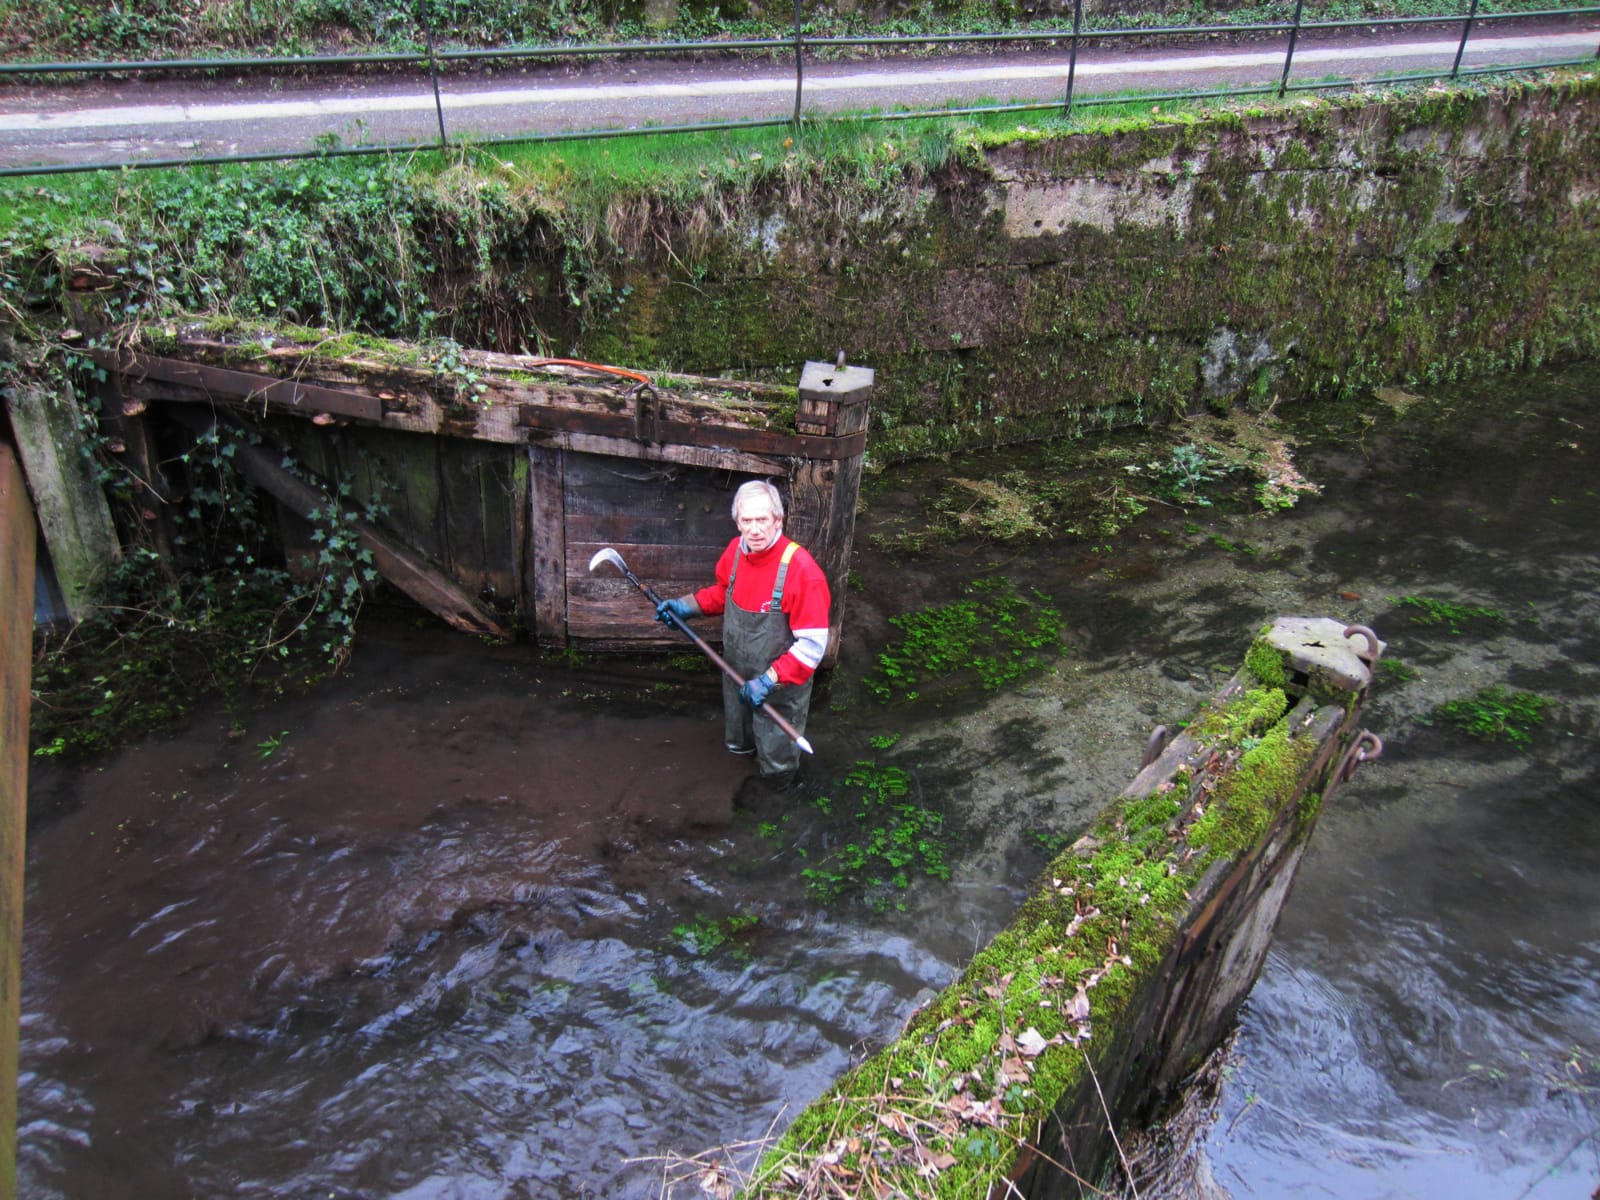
x,y
1057,284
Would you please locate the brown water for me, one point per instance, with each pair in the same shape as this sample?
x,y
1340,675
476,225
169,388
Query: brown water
x,y
434,944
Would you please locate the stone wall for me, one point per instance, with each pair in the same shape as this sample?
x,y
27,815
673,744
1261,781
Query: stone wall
x,y
1057,284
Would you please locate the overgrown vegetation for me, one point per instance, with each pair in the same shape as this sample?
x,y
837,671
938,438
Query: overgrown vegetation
x,y
1454,615
1093,489
77,29
705,936
200,609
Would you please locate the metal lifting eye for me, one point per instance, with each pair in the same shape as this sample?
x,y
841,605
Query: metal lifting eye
x,y
1374,647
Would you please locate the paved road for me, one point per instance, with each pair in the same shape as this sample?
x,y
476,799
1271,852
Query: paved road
x,y
173,119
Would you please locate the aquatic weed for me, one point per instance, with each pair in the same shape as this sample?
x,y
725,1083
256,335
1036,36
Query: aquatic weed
x,y
706,935
895,836
1428,610
993,637
1496,715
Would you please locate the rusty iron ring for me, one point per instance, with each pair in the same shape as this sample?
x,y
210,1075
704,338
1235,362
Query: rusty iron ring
x,y
1374,647
1358,753
1154,745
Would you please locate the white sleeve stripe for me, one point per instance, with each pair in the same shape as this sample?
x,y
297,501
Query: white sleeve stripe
x,y
810,645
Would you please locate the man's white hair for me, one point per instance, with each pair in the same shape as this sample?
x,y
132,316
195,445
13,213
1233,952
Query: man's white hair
x,y
758,487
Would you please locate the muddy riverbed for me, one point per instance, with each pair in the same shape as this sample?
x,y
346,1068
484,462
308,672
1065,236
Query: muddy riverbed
x,y
474,922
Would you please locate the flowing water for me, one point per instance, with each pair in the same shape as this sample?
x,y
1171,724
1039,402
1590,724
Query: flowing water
x,y
445,928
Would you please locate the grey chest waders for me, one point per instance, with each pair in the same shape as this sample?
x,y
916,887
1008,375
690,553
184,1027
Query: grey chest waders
x,y
750,643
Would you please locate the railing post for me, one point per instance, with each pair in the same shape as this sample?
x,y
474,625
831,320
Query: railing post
x,y
799,69
1288,58
1072,61
1466,32
433,70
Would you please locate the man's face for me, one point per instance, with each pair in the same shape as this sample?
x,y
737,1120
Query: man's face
x,y
759,525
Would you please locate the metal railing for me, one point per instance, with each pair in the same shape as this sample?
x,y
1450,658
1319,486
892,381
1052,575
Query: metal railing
x,y
794,46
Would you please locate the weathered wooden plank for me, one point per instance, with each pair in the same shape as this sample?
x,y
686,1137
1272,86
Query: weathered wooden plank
x,y
545,589
407,468
73,514
633,623
17,550
398,564
662,567
623,526
521,552
597,483
822,508
683,433
461,513
290,395
499,502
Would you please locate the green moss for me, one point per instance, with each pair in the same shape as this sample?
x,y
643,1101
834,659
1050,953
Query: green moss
x,y
1247,799
1101,923
1268,665
1247,715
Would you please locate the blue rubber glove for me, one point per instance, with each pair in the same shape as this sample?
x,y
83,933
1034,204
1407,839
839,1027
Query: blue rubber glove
x,y
755,691
682,608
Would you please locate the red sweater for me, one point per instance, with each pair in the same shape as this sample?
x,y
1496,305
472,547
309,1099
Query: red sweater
x,y
805,602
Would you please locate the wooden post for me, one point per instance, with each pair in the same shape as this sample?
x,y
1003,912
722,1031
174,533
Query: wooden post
x,y
16,659
73,514
545,561
834,400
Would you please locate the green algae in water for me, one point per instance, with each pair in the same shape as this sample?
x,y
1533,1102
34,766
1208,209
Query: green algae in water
x,y
1427,610
992,637
1496,715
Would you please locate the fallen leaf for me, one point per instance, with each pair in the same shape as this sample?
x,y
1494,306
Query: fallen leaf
x,y
1078,1009
1031,1042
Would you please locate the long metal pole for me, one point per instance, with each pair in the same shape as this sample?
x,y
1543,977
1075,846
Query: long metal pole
x,y
1288,59
1466,32
616,560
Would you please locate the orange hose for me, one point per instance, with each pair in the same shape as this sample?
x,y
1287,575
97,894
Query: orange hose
x,y
588,366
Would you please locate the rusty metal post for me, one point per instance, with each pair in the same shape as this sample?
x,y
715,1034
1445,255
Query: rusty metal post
x,y
1288,58
1466,32
433,70
1072,60
16,662
799,67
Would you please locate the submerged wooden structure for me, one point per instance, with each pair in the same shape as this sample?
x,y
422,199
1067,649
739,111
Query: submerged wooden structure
x,y
489,479
1124,968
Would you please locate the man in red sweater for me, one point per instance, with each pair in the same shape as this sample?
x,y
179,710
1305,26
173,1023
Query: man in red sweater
x,y
774,602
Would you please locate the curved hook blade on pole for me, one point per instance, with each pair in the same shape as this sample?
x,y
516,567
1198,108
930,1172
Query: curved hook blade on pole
x,y
608,555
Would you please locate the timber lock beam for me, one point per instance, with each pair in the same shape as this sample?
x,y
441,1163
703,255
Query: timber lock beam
x,y
499,475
